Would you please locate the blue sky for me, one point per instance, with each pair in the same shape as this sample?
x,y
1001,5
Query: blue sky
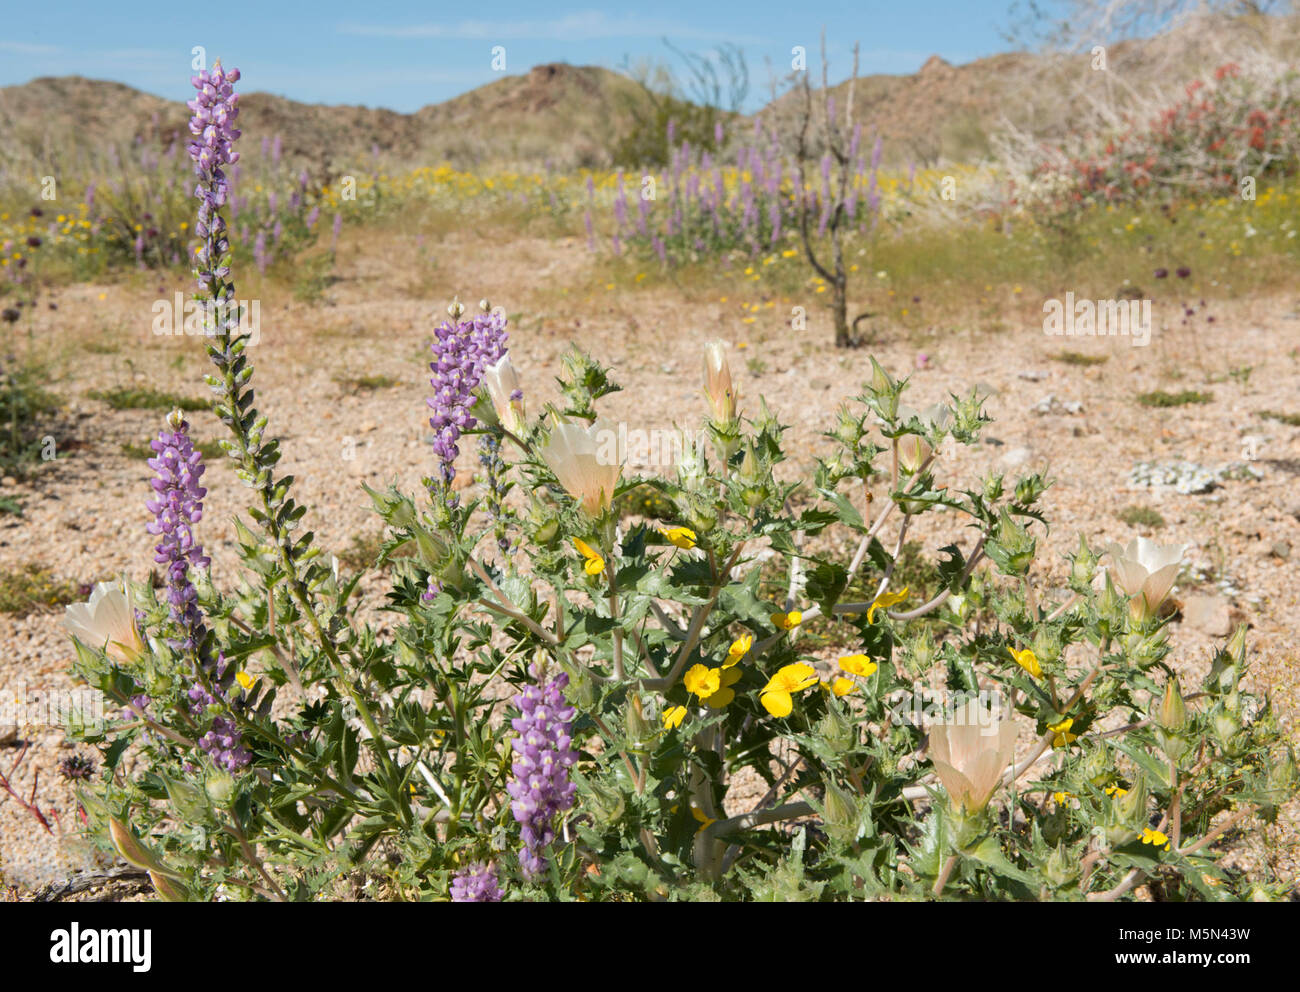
x,y
406,55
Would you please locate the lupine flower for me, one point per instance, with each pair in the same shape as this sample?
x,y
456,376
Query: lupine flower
x,y
476,883
464,349
215,108
583,465
1146,571
177,504
777,695
969,756
107,623
543,755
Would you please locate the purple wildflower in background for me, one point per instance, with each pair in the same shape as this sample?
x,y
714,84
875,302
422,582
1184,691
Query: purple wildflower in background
x,y
477,883
259,252
338,227
313,216
543,755
462,349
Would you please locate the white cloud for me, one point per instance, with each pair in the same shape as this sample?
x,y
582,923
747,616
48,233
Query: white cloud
x,y
588,25
23,48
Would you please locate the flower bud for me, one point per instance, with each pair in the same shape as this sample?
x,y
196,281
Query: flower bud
x,y
168,890
131,850
455,309
922,650
1172,713
835,730
842,818
1083,567
220,787
913,450
1060,868
717,384
848,428
1047,645
1282,773
993,487
638,729
1095,767
1225,725
701,517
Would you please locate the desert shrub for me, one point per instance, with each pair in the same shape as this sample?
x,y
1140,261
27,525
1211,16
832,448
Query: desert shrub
x,y
564,701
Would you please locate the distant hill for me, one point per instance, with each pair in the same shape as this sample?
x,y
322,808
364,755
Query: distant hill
x,y
561,113
575,115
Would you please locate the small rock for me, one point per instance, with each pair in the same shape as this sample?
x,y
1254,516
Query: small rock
x,y
1032,375
1208,614
1016,457
1280,549
8,735
9,480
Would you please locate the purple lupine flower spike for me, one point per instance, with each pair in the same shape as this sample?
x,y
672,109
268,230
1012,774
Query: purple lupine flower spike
x,y
462,350
476,883
543,756
177,504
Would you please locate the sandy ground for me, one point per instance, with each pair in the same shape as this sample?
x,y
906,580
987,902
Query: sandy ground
x,y
84,513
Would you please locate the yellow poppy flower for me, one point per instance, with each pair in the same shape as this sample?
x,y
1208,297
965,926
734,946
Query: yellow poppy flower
x,y
703,681
1027,660
244,679
704,820
1063,736
739,648
842,686
858,664
725,693
1114,791
1154,837
776,696
595,563
787,621
884,601
682,537
673,716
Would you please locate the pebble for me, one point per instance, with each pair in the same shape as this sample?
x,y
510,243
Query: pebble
x,y
1208,614
1016,457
